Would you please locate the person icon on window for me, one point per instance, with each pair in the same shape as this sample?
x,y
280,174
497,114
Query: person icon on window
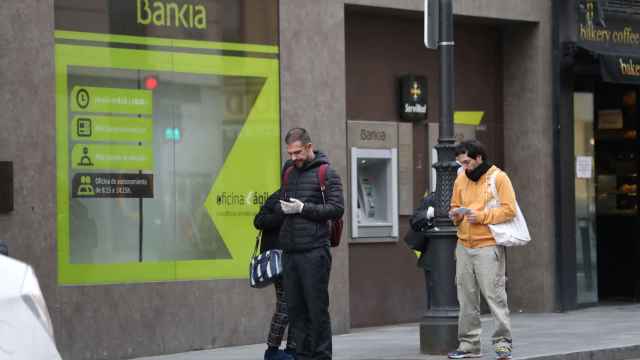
x,y
85,160
85,188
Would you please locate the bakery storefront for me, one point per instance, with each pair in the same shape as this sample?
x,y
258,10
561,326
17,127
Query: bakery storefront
x,y
599,147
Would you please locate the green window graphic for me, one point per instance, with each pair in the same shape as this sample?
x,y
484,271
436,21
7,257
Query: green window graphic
x,y
164,153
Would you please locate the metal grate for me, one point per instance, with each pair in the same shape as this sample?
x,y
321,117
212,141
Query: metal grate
x,y
622,7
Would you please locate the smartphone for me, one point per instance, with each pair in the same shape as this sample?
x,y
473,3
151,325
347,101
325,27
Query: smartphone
x,y
462,210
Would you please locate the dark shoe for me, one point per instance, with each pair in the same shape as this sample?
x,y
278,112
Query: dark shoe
x,y
503,352
458,354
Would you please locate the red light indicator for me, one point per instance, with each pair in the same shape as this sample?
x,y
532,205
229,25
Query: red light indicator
x,y
150,82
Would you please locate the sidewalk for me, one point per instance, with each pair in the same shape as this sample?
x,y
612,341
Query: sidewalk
x,y
605,332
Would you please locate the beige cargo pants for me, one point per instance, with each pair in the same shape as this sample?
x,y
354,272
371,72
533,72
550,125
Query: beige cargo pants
x,y
481,270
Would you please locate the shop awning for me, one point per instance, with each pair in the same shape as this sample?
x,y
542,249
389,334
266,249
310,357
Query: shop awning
x,y
616,66
620,68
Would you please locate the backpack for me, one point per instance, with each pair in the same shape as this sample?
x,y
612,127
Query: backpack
x,y
416,237
418,220
335,225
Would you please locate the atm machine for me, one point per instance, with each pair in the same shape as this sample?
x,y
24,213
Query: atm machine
x,y
374,197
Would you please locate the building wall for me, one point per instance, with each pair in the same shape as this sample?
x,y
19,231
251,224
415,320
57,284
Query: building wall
x,y
528,134
526,78
28,135
375,60
313,97
107,321
123,321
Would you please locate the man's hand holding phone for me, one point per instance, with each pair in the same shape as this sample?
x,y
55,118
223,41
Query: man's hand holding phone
x,y
458,213
293,206
472,217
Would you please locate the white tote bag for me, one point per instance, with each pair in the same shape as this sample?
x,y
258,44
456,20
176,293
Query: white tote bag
x,y
513,232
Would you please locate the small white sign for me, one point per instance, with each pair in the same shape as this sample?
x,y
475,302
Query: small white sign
x,y
431,20
584,167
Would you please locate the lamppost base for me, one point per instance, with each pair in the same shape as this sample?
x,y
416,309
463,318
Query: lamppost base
x,y
438,335
439,327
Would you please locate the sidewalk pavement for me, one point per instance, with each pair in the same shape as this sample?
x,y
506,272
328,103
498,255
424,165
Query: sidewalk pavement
x,y
610,332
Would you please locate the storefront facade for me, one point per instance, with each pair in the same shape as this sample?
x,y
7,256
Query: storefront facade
x,y
149,132
597,87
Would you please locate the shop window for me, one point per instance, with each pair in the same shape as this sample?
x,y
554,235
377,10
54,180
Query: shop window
x,y
166,146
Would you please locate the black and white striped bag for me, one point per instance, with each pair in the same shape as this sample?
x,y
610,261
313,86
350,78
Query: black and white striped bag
x,y
264,268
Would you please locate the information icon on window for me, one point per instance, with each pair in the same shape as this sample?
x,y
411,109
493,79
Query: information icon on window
x,y
84,127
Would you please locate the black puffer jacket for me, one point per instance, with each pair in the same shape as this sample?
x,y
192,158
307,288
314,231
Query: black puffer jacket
x,y
310,229
269,219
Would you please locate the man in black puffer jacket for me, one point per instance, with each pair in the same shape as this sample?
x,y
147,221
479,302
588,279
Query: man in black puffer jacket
x,y
304,237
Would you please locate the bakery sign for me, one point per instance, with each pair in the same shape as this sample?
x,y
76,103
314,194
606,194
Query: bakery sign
x,y
602,28
413,98
611,31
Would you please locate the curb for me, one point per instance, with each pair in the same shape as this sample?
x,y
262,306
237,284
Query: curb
x,y
616,353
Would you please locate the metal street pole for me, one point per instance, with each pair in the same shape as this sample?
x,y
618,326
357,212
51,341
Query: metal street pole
x,y
439,328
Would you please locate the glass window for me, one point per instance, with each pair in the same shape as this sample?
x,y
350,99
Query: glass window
x,y
166,146
586,252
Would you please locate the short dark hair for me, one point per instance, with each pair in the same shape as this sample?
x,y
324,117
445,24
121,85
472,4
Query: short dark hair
x,y
472,148
297,134
460,149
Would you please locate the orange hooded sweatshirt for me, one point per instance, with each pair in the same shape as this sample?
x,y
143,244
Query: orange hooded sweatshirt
x,y
475,195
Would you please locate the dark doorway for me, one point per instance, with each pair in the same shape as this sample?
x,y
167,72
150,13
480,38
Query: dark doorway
x,y
617,167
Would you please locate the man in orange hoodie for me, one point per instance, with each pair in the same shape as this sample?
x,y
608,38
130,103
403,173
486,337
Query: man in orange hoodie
x,y
480,263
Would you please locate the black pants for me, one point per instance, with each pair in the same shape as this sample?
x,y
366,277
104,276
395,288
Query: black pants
x,y
306,286
280,320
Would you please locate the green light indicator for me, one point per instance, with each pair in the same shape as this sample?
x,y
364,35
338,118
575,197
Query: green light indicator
x,y
172,134
168,134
